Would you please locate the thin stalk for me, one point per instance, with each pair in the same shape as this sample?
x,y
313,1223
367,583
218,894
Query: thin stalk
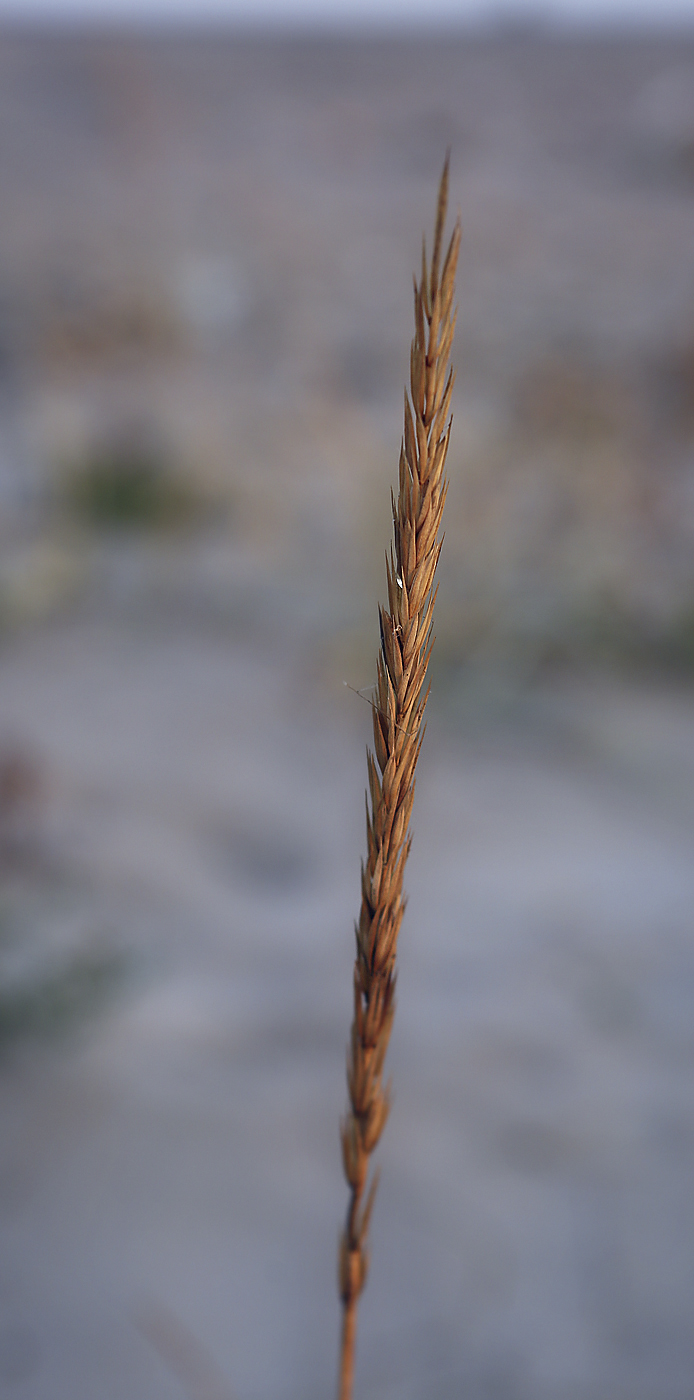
x,y
398,727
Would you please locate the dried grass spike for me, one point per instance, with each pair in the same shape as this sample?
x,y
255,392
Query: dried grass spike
x,y
406,640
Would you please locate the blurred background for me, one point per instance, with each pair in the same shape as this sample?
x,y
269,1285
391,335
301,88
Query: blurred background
x,y
207,240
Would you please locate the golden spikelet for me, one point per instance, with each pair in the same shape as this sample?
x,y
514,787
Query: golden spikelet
x,y
398,714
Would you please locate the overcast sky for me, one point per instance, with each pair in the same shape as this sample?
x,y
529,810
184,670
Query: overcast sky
x,y
331,12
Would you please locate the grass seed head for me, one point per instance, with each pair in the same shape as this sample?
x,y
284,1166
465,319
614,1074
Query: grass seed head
x,y
406,640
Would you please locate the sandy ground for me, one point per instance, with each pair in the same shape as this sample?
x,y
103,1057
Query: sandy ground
x,y
170,1188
